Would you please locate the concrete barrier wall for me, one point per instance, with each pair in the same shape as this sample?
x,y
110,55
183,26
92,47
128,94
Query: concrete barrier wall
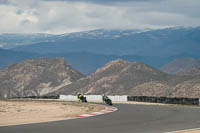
x,y
94,98
113,98
68,97
174,100
118,98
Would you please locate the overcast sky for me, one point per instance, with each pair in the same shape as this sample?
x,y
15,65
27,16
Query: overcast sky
x,y
64,16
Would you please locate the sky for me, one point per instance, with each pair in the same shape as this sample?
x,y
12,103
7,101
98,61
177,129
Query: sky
x,y
65,16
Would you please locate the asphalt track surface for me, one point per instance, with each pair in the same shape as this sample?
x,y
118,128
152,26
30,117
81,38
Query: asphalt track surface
x,y
128,119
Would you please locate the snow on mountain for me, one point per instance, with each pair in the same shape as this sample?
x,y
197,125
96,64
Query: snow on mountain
x,y
101,34
12,40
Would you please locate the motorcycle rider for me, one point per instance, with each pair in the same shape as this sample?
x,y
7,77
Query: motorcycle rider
x,y
80,97
104,98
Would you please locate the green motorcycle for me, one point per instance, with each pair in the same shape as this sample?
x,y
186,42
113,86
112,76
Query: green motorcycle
x,y
107,100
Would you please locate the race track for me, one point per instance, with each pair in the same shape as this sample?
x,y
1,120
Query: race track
x,y
128,119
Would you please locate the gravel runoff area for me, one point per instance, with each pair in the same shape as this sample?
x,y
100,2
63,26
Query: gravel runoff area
x,y
15,112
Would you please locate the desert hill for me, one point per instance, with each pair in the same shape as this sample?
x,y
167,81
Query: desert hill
x,y
36,77
120,77
181,65
116,77
192,72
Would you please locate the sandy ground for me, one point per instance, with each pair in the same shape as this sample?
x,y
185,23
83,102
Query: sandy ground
x,y
14,112
194,131
198,131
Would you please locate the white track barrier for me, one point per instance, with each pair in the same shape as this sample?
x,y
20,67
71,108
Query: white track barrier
x,y
93,98
68,97
118,98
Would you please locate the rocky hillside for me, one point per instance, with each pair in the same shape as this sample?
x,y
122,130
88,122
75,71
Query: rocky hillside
x,y
134,78
36,77
117,77
181,65
191,72
189,88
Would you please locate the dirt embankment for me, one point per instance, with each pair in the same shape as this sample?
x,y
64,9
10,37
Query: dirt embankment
x,y
13,112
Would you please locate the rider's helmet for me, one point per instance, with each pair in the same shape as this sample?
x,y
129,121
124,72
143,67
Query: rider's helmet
x,y
79,94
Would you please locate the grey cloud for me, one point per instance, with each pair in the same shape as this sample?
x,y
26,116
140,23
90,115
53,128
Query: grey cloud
x,y
19,12
189,8
4,2
105,1
98,1
24,22
21,3
60,16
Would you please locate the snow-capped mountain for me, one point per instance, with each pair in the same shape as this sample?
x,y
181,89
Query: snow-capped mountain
x,y
162,42
11,40
101,34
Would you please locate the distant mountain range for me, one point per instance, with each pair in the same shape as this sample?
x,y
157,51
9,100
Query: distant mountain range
x,y
12,40
89,50
85,62
8,40
163,43
9,57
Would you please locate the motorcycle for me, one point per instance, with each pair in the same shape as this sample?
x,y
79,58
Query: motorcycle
x,y
82,99
107,100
